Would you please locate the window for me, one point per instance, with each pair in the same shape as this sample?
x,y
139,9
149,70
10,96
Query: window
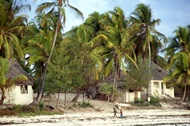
x,y
24,89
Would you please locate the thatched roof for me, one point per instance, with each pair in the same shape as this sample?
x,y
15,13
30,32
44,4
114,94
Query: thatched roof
x,y
157,72
110,80
16,69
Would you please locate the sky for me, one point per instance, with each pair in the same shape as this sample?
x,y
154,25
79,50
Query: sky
x,y
172,13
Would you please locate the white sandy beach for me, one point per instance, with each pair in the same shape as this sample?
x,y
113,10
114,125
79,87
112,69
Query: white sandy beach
x,y
131,117
168,115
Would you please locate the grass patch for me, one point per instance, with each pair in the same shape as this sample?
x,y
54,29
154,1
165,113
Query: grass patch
x,y
31,110
82,105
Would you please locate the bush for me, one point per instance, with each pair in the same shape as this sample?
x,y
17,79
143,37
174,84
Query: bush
x,y
17,108
85,105
41,106
154,101
140,102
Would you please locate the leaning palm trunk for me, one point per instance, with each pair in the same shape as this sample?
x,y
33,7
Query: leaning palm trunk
x,y
53,46
55,37
184,93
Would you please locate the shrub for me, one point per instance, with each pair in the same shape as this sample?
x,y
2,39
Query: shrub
x,y
17,108
41,106
140,102
154,101
85,105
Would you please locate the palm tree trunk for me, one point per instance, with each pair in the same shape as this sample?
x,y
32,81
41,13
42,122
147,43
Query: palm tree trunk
x,y
2,96
184,93
116,70
149,66
56,32
42,86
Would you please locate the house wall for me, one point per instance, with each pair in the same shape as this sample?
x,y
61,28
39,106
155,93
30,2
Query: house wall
x,y
24,99
10,96
14,96
159,89
130,96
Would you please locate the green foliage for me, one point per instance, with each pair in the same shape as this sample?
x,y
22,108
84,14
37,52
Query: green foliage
x,y
73,65
154,101
137,78
41,106
4,66
140,102
19,110
108,90
178,59
84,105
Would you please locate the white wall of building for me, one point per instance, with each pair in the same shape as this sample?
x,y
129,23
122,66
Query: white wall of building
x,y
14,96
159,89
130,96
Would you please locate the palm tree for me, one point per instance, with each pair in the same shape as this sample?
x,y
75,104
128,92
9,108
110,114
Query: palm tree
x,y
59,8
178,59
56,10
93,24
38,51
119,49
10,26
143,32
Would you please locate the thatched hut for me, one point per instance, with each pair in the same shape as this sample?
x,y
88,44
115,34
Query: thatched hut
x,y
128,95
157,87
21,93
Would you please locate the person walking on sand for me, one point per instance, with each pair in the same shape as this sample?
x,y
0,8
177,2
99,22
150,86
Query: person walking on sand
x,y
121,113
115,112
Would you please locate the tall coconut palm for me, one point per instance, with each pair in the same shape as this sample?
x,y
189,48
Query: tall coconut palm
x,y
38,49
93,24
118,47
143,32
178,59
58,7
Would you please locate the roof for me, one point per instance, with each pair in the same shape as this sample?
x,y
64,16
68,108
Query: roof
x,y
157,72
110,80
16,69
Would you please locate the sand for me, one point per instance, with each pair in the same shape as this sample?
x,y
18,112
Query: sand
x,y
168,114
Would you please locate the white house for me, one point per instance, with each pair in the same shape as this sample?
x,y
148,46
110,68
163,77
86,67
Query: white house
x,y
21,93
127,95
157,87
